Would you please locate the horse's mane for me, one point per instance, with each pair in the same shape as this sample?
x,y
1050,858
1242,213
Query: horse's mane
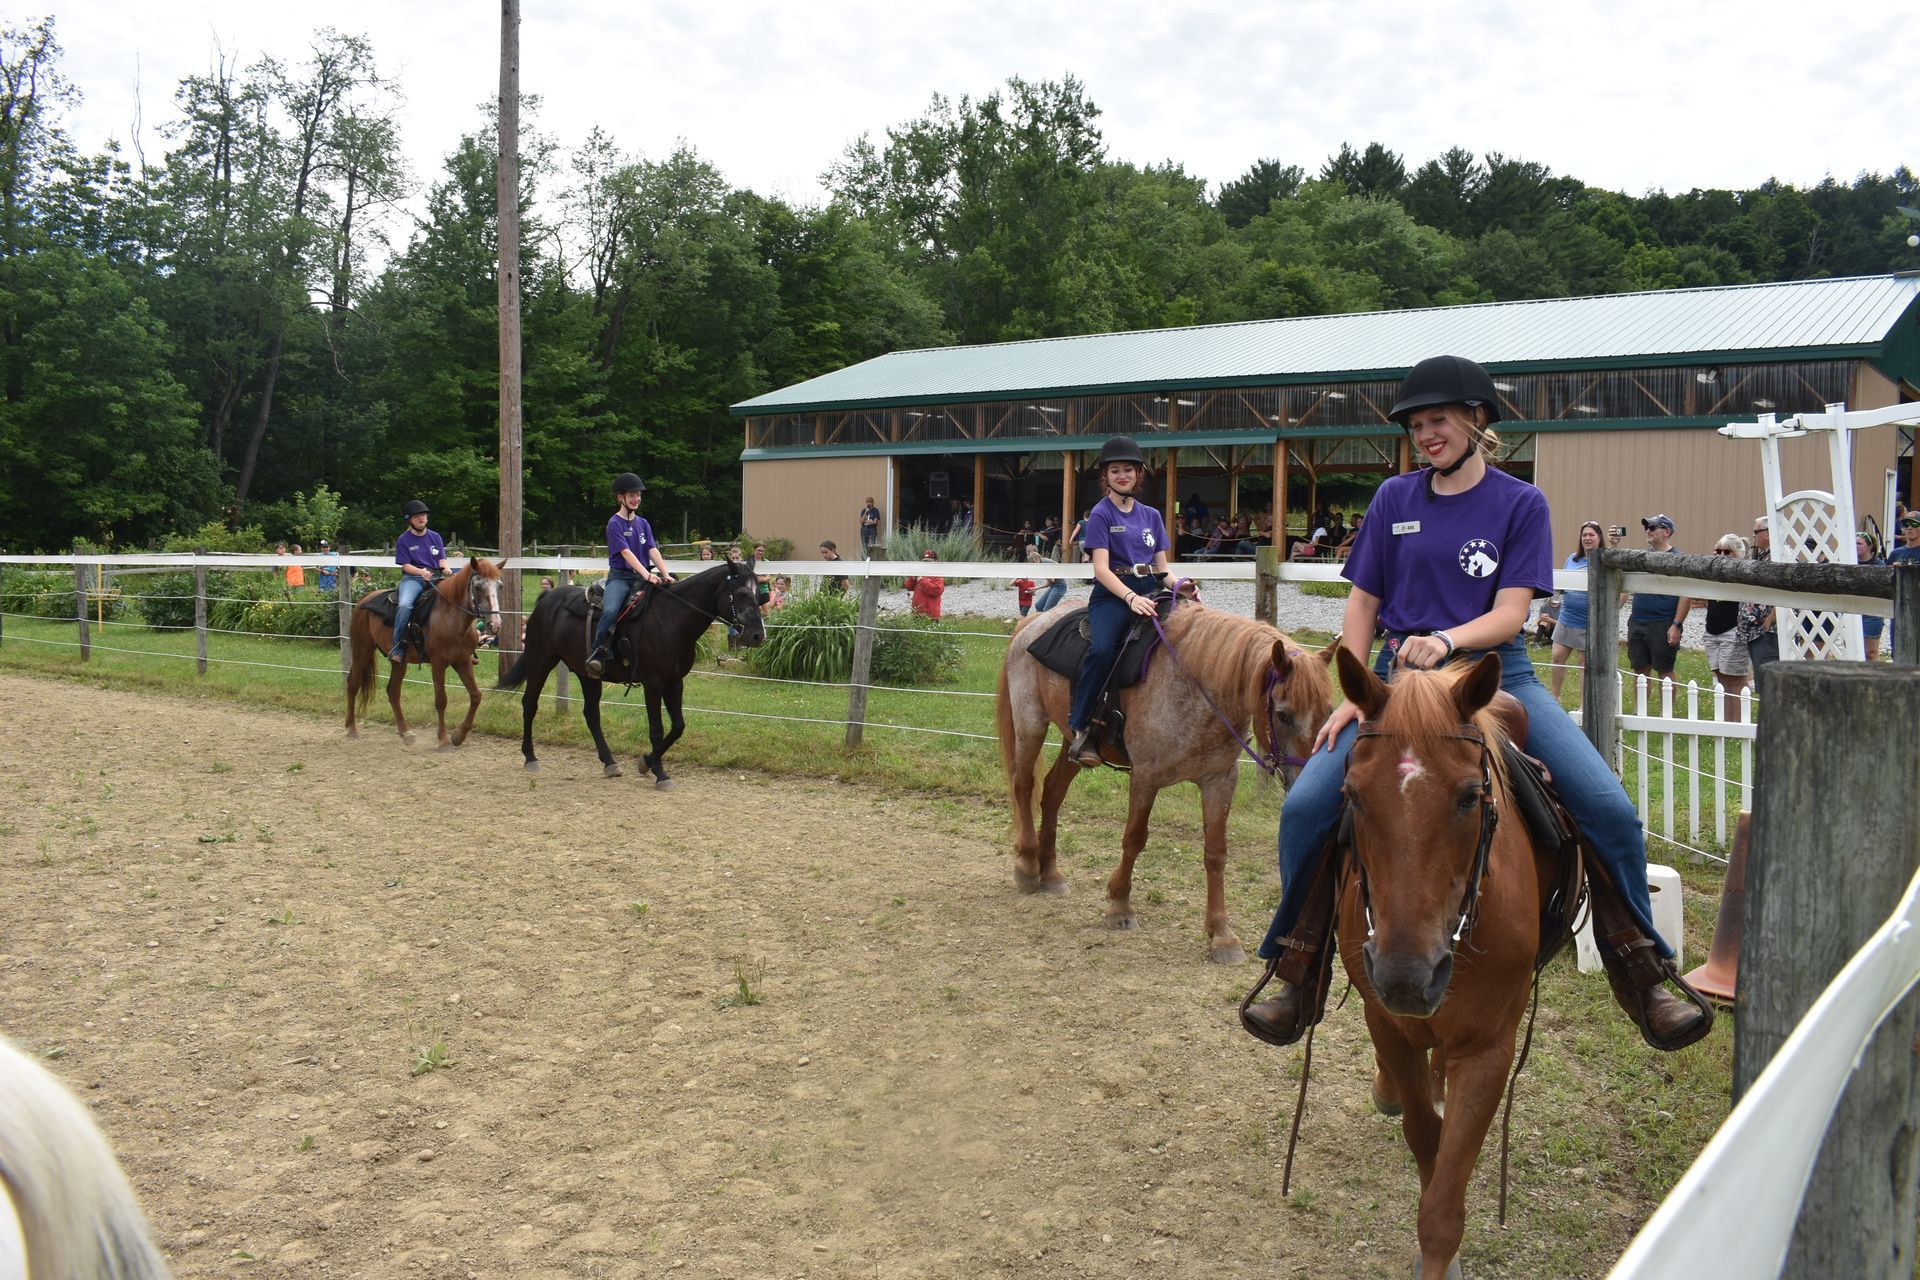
x,y
1231,655
476,566
1420,713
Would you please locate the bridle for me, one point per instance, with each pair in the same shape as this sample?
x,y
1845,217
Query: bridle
x,y
1271,761
1482,854
728,614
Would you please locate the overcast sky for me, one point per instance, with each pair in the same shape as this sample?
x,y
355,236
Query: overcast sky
x,y
1632,95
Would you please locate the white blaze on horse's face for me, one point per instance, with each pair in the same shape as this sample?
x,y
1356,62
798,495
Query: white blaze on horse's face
x,y
1410,770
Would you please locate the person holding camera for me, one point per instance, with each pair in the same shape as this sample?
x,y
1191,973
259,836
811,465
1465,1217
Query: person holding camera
x,y
1653,626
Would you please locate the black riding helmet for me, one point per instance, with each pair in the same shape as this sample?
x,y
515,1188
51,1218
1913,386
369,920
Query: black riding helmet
x,y
1446,380
1120,449
414,508
627,482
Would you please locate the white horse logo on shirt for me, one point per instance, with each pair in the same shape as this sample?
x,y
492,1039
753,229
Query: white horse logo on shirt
x,y
1479,559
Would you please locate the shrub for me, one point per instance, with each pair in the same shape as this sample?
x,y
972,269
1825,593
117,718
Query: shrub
x,y
166,599
303,612
37,593
810,639
915,650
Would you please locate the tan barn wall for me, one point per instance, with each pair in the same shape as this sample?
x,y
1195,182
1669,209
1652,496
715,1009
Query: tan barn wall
x,y
807,499
1709,484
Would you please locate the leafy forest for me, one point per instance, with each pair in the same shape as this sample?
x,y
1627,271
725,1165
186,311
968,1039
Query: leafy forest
x,y
274,314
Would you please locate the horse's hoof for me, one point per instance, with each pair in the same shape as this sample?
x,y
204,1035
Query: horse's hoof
x,y
1120,920
532,766
611,770
663,784
1026,881
1054,883
352,734
407,738
446,747
1453,1269
1229,953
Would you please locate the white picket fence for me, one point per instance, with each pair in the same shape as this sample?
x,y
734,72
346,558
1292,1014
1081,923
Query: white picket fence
x,y
1677,742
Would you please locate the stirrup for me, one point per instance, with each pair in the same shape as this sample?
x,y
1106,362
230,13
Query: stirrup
x,y
1265,1034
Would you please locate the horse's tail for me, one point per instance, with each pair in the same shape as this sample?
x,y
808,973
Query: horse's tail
x,y
78,1216
360,675
1003,718
515,674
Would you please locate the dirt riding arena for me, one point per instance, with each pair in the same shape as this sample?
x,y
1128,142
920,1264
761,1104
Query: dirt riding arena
x,y
237,935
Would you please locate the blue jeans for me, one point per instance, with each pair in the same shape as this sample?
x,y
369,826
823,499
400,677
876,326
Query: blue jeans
x,y
621,584
409,591
1050,595
1107,619
1581,779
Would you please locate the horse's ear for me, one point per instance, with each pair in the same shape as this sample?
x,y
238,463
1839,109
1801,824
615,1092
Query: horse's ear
x,y
1282,661
1476,688
1363,688
501,563
1327,654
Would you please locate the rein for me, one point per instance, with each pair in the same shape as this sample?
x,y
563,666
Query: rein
x,y
1270,763
732,624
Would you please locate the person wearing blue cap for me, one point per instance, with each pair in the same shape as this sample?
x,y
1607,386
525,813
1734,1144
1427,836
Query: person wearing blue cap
x,y
1653,626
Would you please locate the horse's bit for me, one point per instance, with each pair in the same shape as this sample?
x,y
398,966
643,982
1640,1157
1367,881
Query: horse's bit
x,y
1482,854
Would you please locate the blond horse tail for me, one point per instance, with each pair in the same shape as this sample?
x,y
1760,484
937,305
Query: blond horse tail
x,y
79,1219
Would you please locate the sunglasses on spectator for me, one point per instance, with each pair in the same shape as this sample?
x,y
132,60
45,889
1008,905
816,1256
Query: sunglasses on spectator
x,y
1722,551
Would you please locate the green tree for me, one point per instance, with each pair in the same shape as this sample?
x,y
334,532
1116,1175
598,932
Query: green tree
x,y
1253,192
1375,172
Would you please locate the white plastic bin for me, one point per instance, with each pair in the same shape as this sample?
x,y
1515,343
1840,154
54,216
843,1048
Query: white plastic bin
x,y
1663,885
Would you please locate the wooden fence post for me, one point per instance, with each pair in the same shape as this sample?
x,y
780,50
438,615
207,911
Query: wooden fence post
x,y
559,672
1906,612
343,587
1266,585
200,613
80,608
1600,682
862,659
1836,838
3,612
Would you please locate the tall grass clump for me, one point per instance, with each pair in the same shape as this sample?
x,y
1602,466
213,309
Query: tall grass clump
x,y
913,649
810,639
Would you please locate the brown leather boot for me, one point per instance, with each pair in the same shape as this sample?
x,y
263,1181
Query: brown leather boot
x,y
1639,974
1082,751
1302,969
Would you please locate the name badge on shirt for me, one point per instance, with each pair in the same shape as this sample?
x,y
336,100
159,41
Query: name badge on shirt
x,y
1116,528
1406,526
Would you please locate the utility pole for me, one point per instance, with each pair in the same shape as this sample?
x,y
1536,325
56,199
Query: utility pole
x,y
509,274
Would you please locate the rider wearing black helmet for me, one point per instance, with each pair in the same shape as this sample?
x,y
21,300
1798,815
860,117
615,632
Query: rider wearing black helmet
x,y
421,555
633,557
1450,561
1127,542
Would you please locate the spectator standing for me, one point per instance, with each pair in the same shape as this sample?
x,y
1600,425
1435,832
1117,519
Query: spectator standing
x,y
927,589
1079,538
326,578
1866,550
869,529
1025,587
777,594
837,584
1727,655
1757,622
1196,509
296,572
1050,536
1909,549
1653,625
704,551
1570,629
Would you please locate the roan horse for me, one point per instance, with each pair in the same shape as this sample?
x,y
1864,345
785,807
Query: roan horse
x,y
450,640
1245,669
1439,920
76,1214
660,639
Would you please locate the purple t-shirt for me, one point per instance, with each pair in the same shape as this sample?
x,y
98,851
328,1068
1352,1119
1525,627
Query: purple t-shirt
x,y
634,535
1130,537
1438,562
421,550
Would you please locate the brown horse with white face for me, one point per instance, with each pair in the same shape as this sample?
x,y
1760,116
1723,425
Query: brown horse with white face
x,y
1253,674
1439,919
469,596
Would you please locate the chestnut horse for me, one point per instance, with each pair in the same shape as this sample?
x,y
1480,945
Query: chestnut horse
x,y
1439,919
1182,722
469,595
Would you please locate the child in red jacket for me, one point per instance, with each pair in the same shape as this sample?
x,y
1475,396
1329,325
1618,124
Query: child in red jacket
x,y
1026,587
927,590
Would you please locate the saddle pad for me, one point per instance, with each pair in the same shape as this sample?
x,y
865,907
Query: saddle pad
x,y
382,605
1064,646
1553,831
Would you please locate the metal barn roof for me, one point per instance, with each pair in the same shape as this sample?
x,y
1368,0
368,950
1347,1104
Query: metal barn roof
x,y
1800,320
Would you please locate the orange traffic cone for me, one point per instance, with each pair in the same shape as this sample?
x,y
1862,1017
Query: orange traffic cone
x,y
1719,977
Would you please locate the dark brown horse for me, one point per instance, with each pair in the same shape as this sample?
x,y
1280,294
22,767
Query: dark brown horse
x,y
1439,920
472,594
1246,669
658,639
